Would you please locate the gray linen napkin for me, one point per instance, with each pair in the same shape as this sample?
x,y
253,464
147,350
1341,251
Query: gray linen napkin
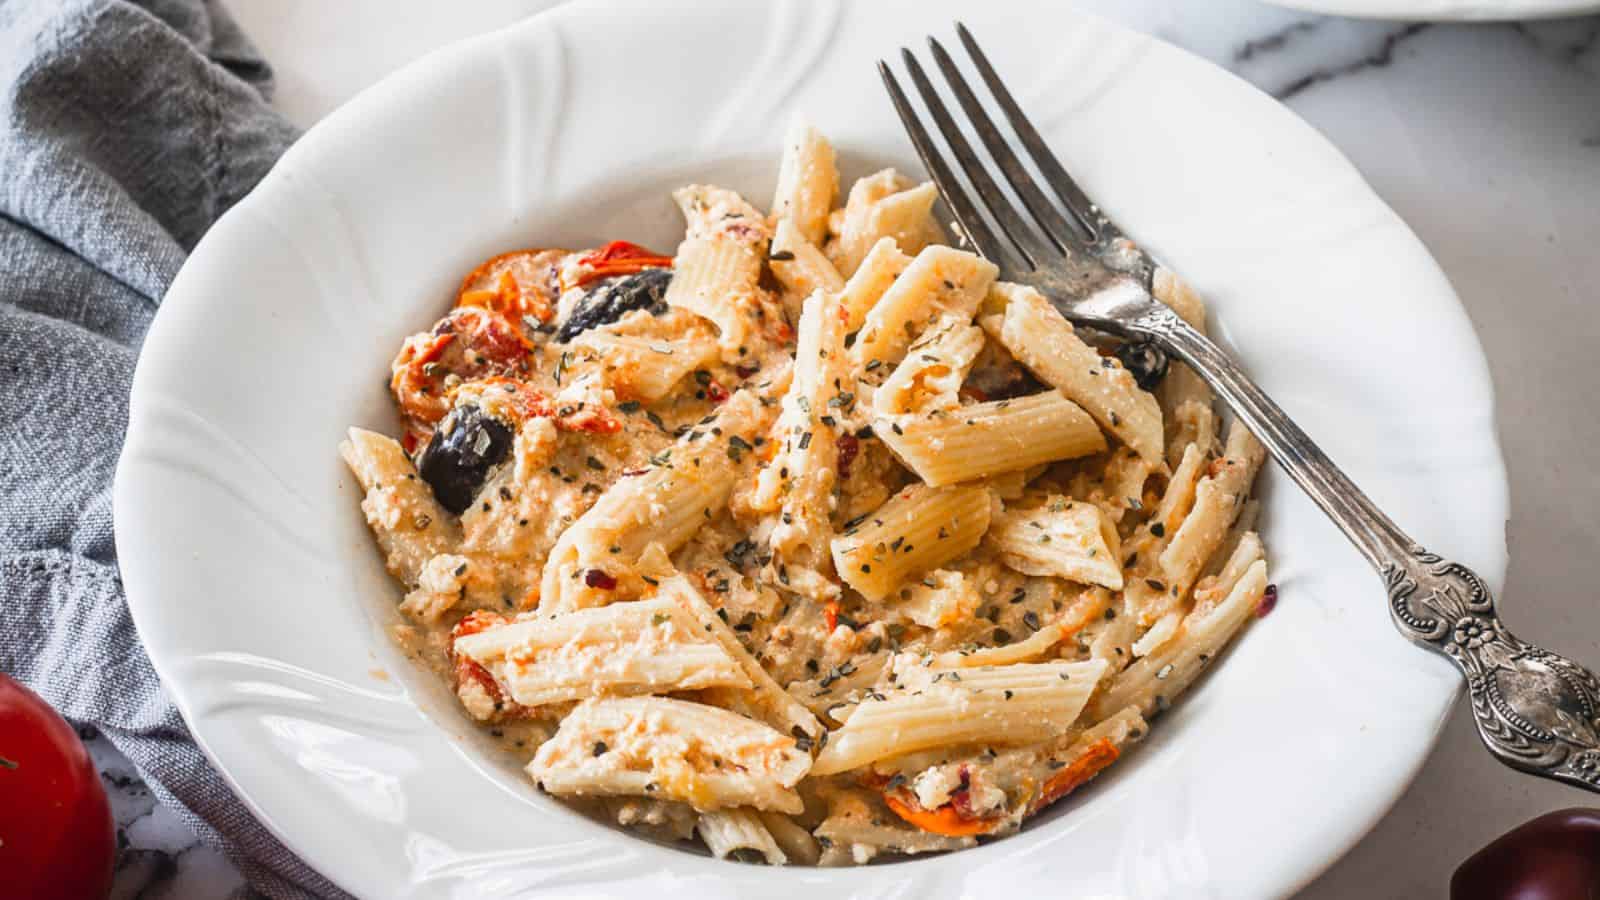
x,y
126,129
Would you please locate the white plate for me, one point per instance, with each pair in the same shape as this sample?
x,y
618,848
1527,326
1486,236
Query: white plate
x,y
262,600
1446,10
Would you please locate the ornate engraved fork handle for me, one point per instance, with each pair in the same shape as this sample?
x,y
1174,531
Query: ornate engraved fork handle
x,y
1537,711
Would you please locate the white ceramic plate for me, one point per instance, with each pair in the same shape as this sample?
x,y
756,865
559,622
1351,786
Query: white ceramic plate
x,y
263,602
1446,10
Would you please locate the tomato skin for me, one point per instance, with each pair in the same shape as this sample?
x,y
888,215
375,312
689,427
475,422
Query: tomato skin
x,y
57,838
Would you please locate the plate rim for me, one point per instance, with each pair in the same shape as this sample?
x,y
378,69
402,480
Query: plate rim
x,y
434,65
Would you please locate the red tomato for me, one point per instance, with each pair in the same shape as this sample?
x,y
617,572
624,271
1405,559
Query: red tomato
x,y
57,839
1553,857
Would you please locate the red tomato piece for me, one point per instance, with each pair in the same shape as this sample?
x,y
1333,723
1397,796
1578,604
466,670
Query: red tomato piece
x,y
57,838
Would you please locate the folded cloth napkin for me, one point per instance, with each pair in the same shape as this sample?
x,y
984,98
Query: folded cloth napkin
x,y
126,129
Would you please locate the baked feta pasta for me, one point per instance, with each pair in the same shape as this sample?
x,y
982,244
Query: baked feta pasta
x,y
811,540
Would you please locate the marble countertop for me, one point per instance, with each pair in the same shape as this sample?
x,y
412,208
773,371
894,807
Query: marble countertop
x,y
1485,138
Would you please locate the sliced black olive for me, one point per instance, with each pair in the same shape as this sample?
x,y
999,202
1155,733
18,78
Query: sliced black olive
x,y
458,458
1146,361
606,303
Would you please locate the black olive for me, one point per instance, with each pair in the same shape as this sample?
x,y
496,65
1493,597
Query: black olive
x,y
458,458
1146,361
606,303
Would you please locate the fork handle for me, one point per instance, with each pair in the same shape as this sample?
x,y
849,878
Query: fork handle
x,y
1536,711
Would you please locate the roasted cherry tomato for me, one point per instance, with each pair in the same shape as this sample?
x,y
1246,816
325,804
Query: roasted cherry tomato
x,y
57,839
618,258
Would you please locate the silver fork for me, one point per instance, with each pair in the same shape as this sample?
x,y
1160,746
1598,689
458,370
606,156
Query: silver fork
x,y
1536,711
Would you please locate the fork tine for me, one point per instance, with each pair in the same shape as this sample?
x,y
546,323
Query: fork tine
x,y
967,216
1022,235
1056,227
1076,201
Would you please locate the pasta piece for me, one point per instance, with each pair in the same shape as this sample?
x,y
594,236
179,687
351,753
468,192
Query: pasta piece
x,y
1158,634
1038,336
1243,526
717,270
1213,589
706,757
1191,421
940,281
1185,398
799,481
1218,499
1006,705
919,529
987,439
727,831
1070,540
762,698
800,267
930,376
808,182
647,647
1150,594
717,279
686,484
410,525
1178,498
637,368
797,844
1176,293
882,265
884,205
1153,682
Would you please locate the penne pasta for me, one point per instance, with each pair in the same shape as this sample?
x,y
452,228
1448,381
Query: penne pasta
x,y
986,439
645,647
919,529
1007,705
759,696
799,266
685,485
1154,681
884,205
932,372
409,523
798,484
1217,500
940,281
808,182
871,280
716,279
730,831
637,368
796,843
671,749
1042,340
1062,538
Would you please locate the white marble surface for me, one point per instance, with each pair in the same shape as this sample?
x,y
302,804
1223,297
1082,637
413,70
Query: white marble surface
x,y
1486,139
